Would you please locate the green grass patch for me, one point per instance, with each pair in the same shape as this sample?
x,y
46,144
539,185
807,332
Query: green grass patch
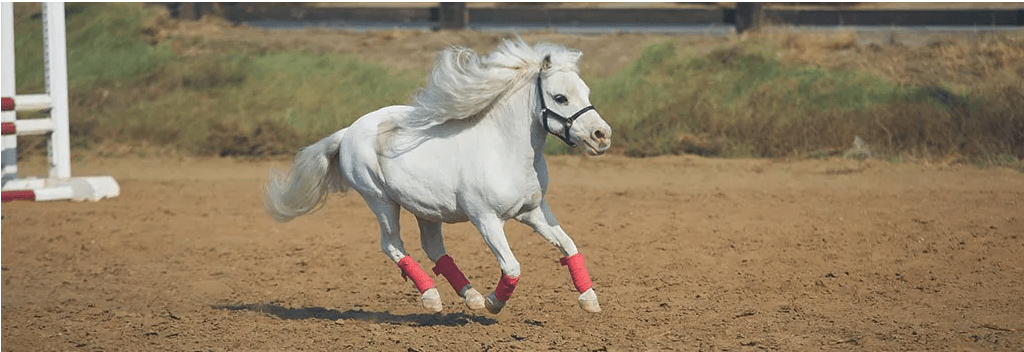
x,y
235,104
741,101
104,45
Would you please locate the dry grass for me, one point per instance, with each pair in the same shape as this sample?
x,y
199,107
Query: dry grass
x,y
975,62
977,78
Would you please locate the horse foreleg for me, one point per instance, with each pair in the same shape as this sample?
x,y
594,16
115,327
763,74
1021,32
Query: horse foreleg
x,y
581,280
491,228
392,245
543,221
432,240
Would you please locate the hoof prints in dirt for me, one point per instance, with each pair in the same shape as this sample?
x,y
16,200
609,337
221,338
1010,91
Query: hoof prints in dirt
x,y
451,319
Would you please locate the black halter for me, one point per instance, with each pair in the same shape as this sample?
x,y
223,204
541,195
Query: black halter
x,y
566,122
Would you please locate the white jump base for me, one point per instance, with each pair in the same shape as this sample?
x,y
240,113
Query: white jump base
x,y
59,185
77,189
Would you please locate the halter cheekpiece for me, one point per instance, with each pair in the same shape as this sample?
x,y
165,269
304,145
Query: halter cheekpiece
x,y
566,122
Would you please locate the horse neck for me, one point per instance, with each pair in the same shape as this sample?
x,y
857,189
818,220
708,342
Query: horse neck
x,y
516,124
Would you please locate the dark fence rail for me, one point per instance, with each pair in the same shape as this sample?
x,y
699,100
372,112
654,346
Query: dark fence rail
x,y
897,17
537,15
457,15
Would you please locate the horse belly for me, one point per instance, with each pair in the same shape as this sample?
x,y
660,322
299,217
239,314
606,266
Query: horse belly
x,y
427,197
434,210
425,184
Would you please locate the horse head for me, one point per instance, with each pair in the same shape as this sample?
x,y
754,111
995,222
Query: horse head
x,y
563,93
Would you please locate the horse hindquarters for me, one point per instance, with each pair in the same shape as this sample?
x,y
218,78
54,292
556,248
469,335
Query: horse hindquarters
x,y
316,174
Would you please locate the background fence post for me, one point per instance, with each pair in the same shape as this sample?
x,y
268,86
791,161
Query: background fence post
x,y
453,15
748,16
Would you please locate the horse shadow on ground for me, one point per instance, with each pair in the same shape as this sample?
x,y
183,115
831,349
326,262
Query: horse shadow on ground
x,y
450,319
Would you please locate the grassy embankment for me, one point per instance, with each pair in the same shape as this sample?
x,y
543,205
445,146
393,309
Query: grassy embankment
x,y
760,96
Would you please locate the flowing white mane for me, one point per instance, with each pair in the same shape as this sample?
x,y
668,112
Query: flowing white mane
x,y
463,84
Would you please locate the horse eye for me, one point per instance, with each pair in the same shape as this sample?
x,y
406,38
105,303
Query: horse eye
x,y
561,99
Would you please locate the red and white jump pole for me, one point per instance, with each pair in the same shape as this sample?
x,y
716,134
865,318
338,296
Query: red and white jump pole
x,y
59,184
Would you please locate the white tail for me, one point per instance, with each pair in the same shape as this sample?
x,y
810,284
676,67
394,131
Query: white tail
x,y
302,190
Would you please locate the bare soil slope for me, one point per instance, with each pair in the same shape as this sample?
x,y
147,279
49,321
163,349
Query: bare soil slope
x,y
686,253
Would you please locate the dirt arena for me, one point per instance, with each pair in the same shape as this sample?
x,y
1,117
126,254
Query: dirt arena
x,y
686,253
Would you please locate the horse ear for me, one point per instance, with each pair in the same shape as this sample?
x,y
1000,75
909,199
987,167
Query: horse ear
x,y
546,64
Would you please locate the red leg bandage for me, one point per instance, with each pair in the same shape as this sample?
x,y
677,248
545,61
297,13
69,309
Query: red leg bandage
x,y
446,267
578,271
412,270
506,285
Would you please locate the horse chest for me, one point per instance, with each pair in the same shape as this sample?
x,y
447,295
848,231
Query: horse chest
x,y
507,192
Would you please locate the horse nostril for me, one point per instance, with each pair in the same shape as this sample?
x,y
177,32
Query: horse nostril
x,y
598,134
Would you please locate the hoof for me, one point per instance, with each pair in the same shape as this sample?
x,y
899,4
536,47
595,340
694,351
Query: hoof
x,y
493,304
431,300
473,299
588,301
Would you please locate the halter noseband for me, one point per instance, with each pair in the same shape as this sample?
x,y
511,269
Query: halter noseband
x,y
566,122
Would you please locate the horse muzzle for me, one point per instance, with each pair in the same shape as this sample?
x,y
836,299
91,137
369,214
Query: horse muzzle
x,y
599,138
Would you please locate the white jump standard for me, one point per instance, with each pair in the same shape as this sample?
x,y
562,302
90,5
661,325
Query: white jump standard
x,y
59,184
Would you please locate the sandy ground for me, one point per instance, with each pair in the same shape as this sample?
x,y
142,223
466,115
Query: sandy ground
x,y
686,253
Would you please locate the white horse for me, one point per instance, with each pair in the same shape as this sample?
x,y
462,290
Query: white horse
x,y
468,148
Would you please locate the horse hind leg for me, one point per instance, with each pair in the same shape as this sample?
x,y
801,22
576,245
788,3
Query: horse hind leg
x,y
432,240
392,245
